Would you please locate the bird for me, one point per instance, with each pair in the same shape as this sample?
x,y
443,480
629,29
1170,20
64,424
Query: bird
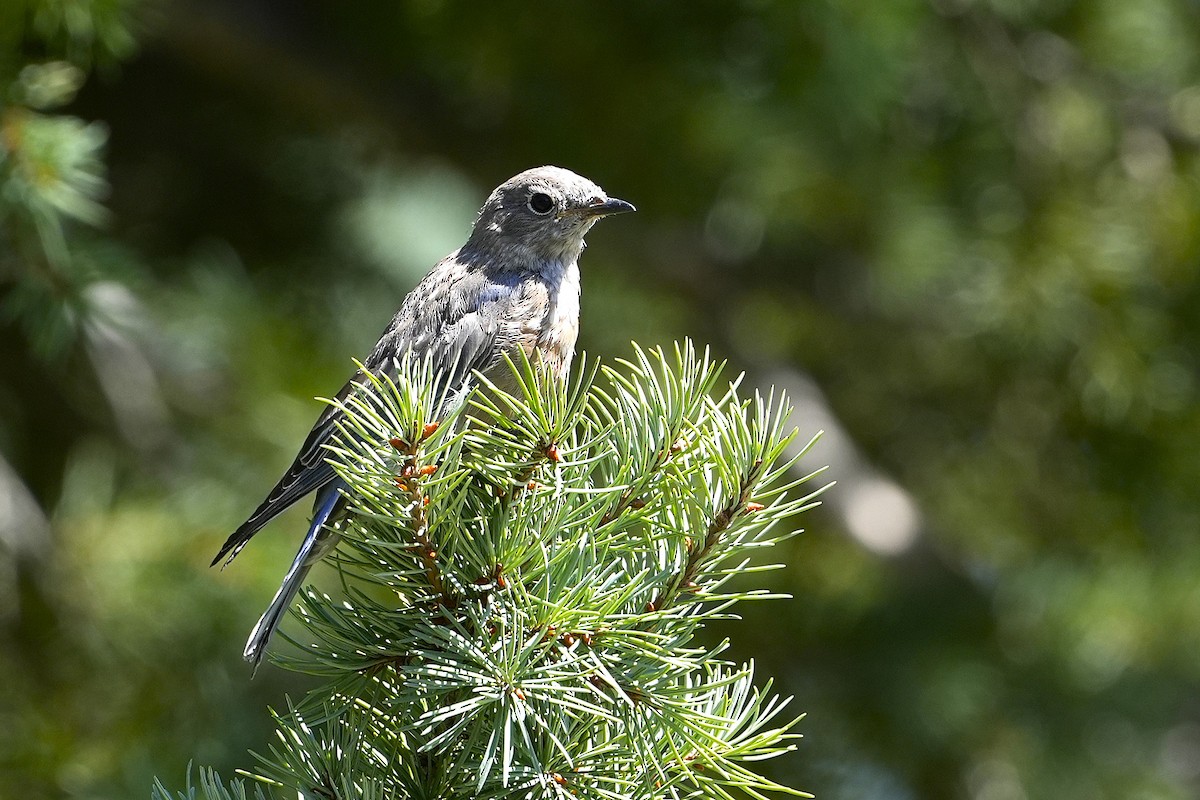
x,y
513,286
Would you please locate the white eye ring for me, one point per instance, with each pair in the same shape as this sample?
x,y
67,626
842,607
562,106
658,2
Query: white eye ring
x,y
540,203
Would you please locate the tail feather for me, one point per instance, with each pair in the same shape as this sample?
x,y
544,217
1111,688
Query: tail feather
x,y
298,482
317,543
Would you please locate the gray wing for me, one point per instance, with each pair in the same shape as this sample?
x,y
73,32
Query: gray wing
x,y
463,321
459,317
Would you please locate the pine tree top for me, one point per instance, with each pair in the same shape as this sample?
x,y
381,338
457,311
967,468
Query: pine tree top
x,y
523,581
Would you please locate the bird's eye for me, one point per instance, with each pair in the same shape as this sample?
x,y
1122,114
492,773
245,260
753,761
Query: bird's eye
x,y
540,203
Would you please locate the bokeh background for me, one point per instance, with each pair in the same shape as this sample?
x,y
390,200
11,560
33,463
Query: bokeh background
x,y
964,234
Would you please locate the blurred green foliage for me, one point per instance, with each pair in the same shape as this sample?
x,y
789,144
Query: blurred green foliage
x,y
973,224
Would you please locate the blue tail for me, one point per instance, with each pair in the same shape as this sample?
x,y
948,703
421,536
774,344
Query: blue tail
x,y
317,542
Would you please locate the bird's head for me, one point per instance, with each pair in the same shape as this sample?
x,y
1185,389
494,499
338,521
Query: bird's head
x,y
542,213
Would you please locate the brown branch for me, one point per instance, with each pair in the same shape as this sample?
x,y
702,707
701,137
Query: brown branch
x,y
409,481
698,554
628,499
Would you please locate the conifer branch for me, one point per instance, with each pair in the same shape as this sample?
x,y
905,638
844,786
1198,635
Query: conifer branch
x,y
525,575
409,482
700,550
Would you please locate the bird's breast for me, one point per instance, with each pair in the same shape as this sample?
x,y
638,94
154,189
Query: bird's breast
x,y
559,326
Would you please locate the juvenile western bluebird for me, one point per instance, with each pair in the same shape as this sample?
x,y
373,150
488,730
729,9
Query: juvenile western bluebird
x,y
513,286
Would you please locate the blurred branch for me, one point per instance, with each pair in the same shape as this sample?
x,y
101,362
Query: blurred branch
x,y
24,538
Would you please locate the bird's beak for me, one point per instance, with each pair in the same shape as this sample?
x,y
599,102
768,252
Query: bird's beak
x,y
610,206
